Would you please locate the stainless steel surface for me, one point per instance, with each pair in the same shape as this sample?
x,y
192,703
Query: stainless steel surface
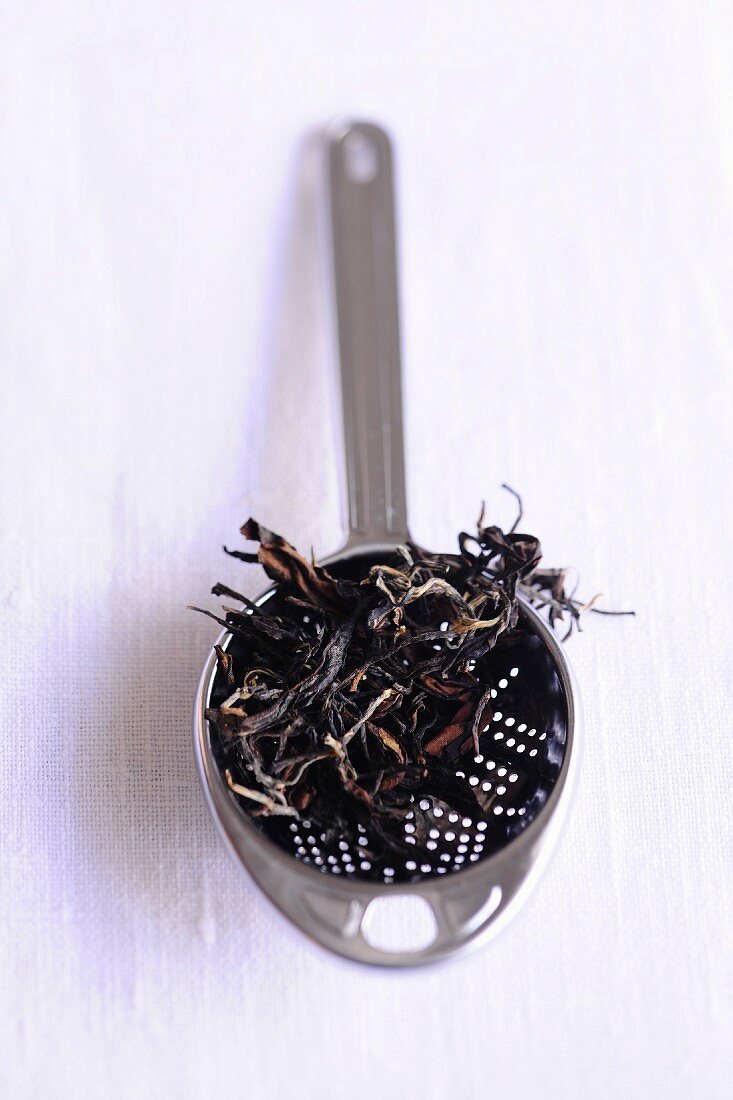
x,y
360,190
471,905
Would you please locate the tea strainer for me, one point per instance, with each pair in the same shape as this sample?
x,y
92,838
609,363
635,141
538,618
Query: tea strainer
x,y
466,872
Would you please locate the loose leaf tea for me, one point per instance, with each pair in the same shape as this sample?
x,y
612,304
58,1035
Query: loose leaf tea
x,y
352,705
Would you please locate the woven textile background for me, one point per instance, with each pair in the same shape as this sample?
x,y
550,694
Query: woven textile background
x,y
566,219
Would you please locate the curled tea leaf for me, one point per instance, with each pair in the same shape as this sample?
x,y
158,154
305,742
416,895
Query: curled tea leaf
x,y
352,697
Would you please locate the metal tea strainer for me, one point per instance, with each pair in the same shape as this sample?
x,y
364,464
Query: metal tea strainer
x,y
468,872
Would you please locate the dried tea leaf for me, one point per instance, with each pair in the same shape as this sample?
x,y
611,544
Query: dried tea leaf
x,y
359,693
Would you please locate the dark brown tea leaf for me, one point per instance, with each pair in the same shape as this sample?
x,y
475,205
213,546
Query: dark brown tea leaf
x,y
352,696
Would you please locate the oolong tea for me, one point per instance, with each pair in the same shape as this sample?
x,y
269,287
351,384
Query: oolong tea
x,y
396,718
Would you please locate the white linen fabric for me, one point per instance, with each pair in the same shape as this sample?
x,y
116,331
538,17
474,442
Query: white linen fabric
x,y
565,183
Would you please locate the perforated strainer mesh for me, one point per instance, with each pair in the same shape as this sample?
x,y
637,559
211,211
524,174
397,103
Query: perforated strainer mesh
x,y
506,784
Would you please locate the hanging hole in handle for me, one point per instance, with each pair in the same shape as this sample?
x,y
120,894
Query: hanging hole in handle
x,y
361,157
399,924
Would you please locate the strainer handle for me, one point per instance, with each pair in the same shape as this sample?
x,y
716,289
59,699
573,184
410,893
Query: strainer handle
x,y
362,217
